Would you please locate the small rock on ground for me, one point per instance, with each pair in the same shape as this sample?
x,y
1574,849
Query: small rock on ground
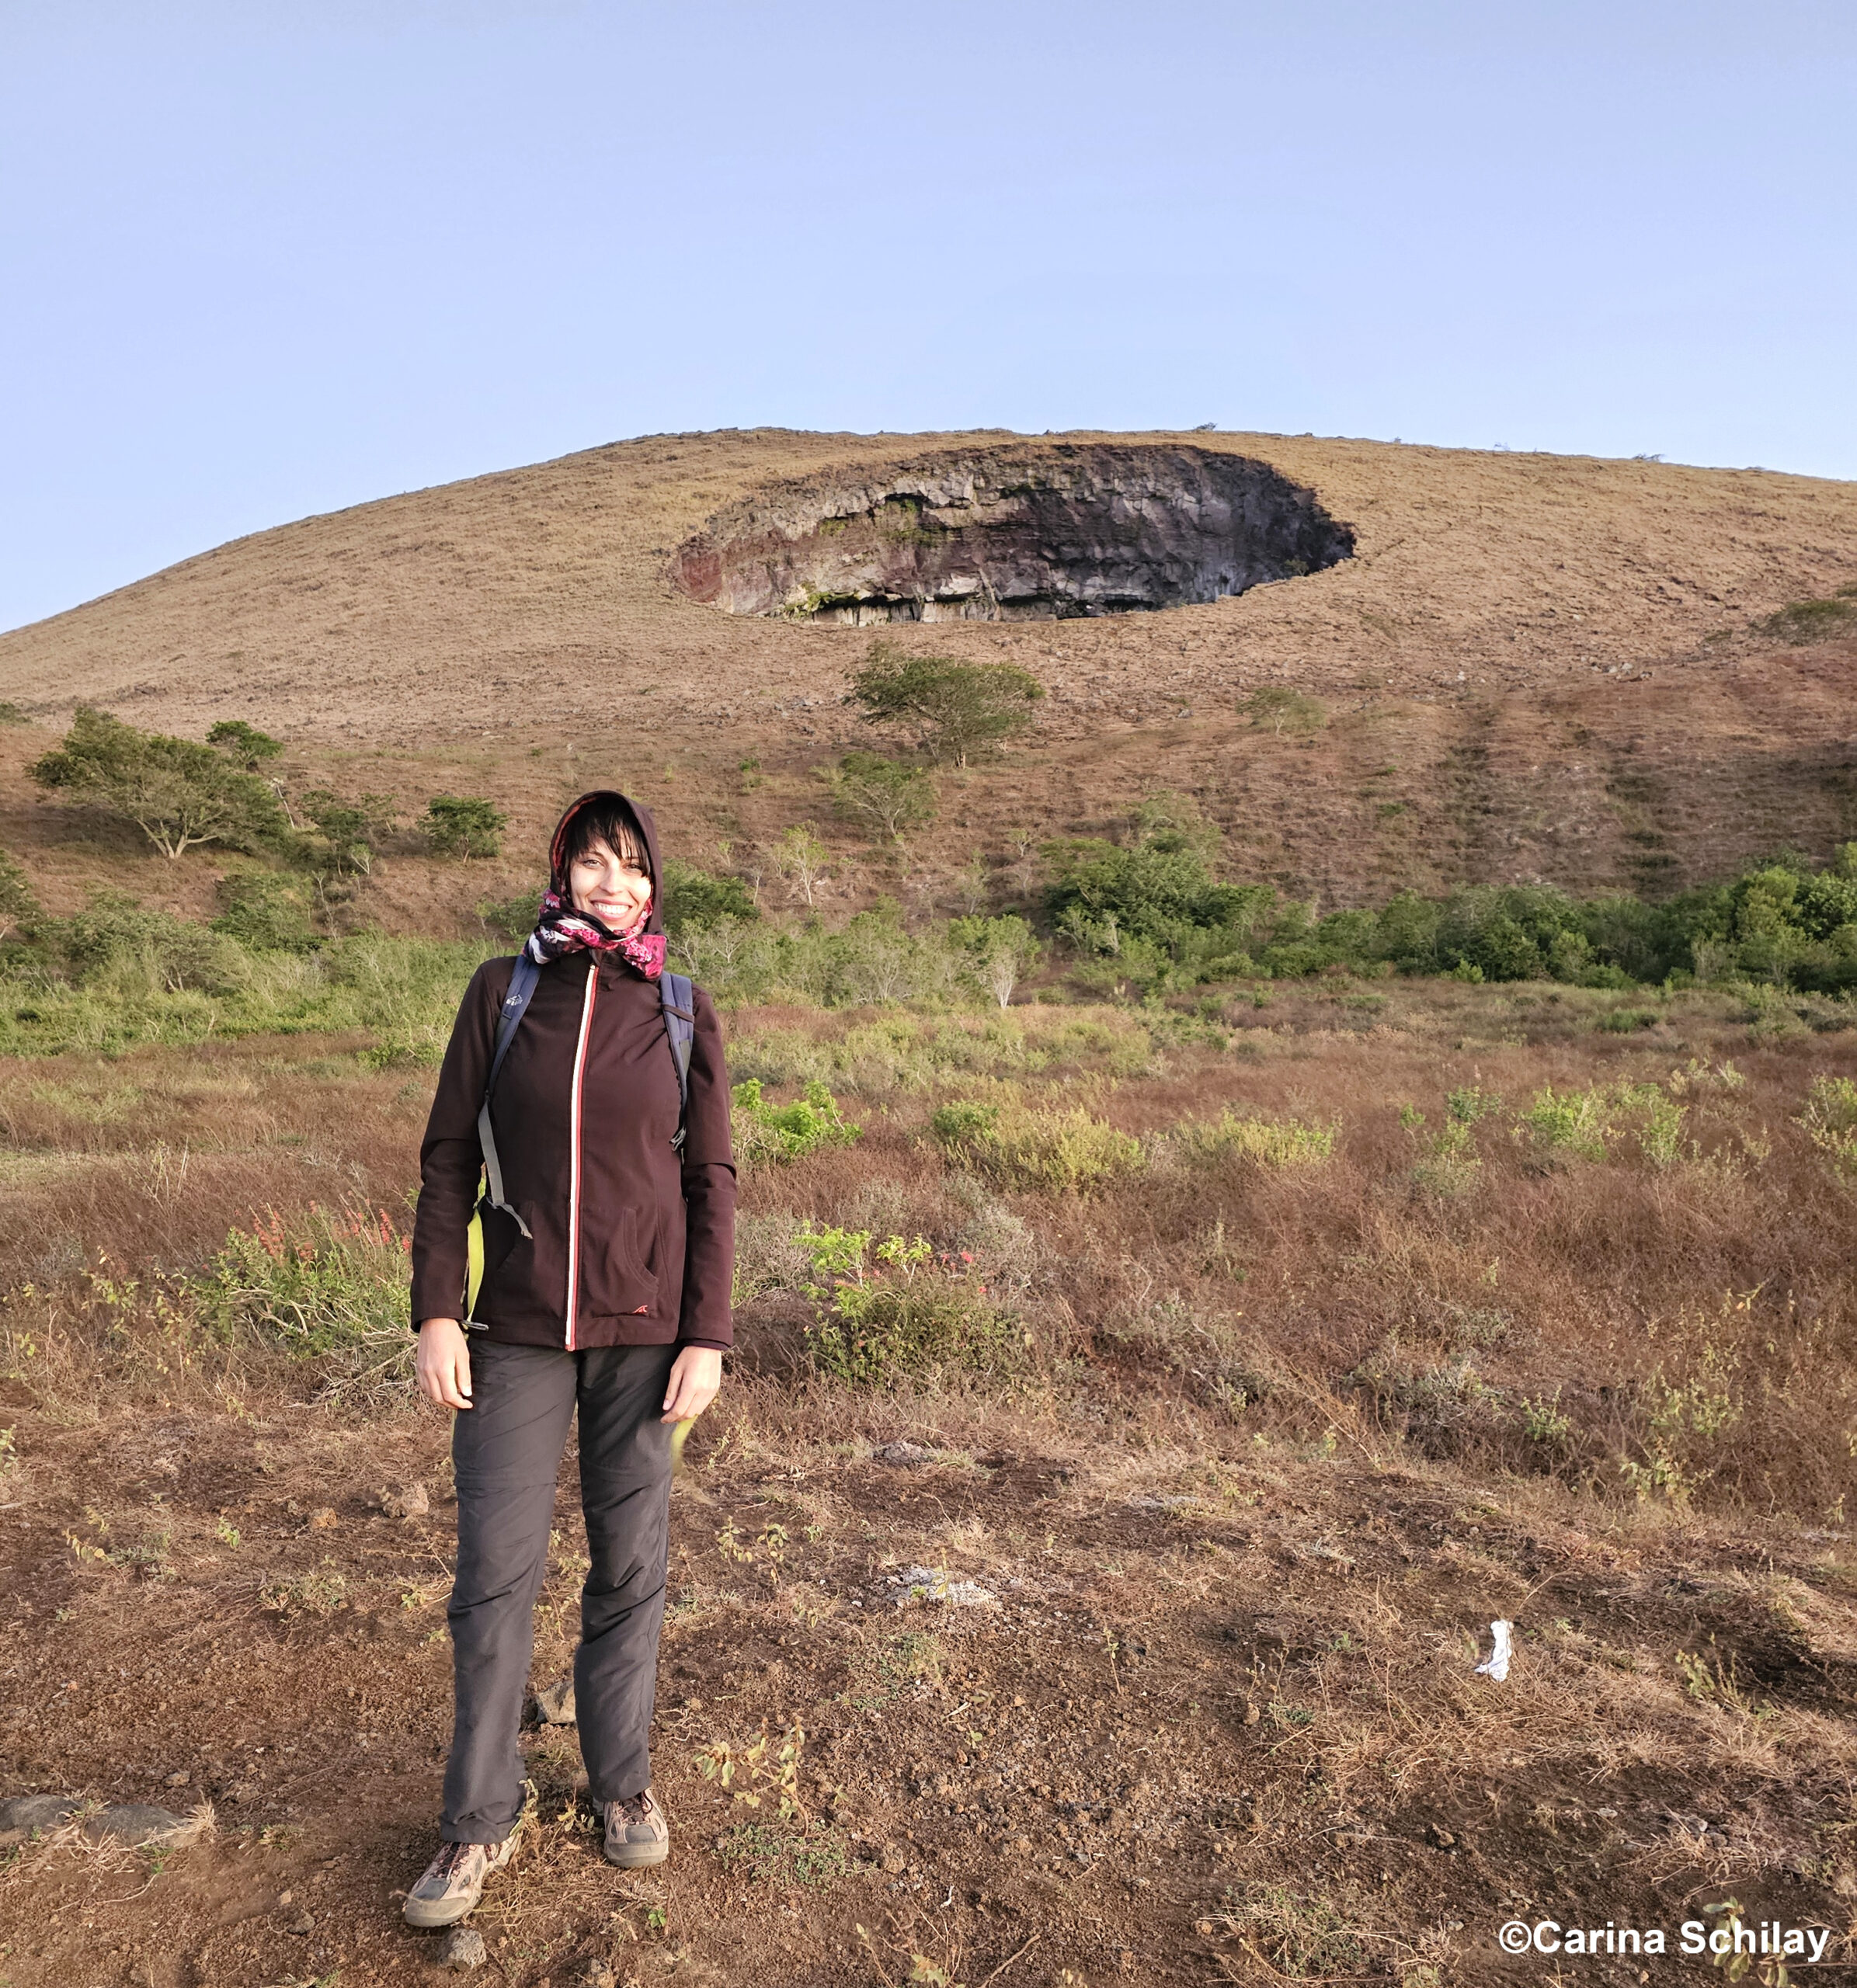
x,y
461,1949
408,1501
554,1703
141,1826
935,1584
904,1455
24,1814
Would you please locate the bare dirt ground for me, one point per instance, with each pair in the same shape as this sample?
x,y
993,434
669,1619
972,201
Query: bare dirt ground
x,y
1288,1441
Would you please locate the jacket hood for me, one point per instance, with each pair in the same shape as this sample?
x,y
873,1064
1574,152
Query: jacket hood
x,y
648,832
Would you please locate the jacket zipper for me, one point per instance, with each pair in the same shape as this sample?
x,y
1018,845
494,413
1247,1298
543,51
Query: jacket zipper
x,y
586,1027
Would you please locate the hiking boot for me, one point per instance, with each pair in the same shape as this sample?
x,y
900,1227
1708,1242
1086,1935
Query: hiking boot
x,y
637,1832
453,1881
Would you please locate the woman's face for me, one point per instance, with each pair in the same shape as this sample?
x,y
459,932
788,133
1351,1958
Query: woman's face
x,y
613,887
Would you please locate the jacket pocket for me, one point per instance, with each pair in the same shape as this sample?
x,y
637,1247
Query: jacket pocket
x,y
624,1272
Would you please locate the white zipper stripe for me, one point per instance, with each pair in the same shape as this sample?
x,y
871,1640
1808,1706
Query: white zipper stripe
x,y
586,1028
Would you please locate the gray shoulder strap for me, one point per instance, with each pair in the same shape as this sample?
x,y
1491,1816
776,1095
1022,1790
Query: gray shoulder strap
x,y
522,984
678,999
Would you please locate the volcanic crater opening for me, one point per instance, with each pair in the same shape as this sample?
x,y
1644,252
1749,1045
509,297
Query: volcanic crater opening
x,y
1053,534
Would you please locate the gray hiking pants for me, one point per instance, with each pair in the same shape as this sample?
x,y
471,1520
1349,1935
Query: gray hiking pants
x,y
506,1450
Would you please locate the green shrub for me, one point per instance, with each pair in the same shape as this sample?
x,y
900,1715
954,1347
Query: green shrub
x,y
1068,1151
776,1133
349,834
1268,1142
1804,621
326,1286
116,945
896,1313
694,900
1574,1121
1627,1021
265,912
18,906
512,918
461,824
1830,1119
1002,951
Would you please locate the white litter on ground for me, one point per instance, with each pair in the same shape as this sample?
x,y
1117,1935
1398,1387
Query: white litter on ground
x,y
934,1584
1495,1667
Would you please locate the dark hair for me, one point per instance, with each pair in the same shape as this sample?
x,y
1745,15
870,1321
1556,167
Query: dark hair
x,y
595,817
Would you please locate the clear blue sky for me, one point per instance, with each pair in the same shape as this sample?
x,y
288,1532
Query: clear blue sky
x,y
260,260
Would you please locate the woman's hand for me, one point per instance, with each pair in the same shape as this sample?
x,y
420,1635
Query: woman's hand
x,y
443,1364
695,1376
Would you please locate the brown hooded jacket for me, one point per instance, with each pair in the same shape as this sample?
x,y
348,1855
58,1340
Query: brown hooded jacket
x,y
630,1244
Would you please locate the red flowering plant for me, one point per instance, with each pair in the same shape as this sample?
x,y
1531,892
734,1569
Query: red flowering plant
x,y
327,1285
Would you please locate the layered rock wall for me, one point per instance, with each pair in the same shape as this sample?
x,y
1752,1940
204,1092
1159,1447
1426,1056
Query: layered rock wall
x,y
1012,535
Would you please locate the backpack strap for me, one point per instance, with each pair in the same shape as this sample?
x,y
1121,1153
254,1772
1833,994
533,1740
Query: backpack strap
x,y
678,999
522,984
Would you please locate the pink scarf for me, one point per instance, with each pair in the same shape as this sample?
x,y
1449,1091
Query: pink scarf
x,y
561,928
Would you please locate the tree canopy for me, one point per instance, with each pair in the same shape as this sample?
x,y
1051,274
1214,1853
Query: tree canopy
x,y
884,795
958,710
179,793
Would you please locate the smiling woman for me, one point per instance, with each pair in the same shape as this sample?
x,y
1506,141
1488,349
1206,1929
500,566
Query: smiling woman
x,y
574,1252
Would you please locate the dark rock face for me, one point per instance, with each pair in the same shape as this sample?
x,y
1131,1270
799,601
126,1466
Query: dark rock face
x,y
1017,534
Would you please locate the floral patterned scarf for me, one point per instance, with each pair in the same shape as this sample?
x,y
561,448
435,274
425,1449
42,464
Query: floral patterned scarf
x,y
561,928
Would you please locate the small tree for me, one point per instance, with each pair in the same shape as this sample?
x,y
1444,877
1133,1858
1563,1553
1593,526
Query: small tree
x,y
884,795
178,793
958,710
799,859
244,744
1279,709
1003,950
351,832
458,825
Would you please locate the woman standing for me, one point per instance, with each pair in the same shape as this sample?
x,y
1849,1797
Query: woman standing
x,y
592,1272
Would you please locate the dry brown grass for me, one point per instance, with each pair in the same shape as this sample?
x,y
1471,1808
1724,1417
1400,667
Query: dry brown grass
x,y
1246,1512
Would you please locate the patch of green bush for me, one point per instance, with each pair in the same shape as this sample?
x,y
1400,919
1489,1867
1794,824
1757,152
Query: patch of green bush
x,y
958,710
885,797
1804,621
695,900
180,793
244,744
463,825
19,906
1266,1141
895,1313
1147,916
774,1134
1020,1146
1830,1119
265,912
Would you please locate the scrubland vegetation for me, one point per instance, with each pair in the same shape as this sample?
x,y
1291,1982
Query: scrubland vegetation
x,y
1174,1321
